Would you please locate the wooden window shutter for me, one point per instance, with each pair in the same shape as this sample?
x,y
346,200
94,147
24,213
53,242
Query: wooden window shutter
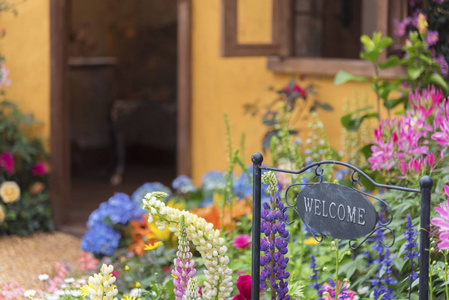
x,y
281,32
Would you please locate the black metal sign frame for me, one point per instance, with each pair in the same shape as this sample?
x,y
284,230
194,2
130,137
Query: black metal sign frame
x,y
425,183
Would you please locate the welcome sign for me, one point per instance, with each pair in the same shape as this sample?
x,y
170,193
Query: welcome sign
x,y
336,211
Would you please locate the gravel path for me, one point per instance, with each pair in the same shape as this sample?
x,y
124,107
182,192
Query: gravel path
x,y
23,258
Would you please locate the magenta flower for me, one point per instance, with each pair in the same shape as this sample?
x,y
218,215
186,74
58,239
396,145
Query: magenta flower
x,y
39,169
7,162
242,241
244,287
415,141
443,222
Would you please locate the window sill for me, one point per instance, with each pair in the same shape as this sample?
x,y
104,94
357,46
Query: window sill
x,y
329,67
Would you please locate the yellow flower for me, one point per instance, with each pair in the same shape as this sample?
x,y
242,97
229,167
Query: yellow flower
x,y
84,291
153,246
126,268
218,199
162,235
2,214
9,192
178,205
422,23
310,241
127,297
138,284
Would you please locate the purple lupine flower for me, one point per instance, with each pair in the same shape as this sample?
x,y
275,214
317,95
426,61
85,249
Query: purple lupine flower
x,y
274,246
184,268
410,253
315,277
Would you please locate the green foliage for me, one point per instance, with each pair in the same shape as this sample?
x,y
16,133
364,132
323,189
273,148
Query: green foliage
x,y
31,212
421,72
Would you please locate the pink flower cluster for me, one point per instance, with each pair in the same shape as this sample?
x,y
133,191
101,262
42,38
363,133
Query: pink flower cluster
x,y
443,222
88,262
11,291
184,268
344,293
416,140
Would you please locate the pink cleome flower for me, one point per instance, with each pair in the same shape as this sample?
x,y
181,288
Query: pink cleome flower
x,y
442,222
414,141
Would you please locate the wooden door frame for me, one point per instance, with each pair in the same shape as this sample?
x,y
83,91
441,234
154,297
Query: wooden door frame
x,y
60,177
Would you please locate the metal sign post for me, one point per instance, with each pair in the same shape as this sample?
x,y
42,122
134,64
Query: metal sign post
x,y
339,212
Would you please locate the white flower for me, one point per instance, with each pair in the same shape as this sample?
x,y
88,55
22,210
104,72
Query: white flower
x,y
29,294
137,293
218,284
69,280
43,277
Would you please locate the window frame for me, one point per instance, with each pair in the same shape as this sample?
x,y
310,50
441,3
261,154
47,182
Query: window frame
x,y
279,51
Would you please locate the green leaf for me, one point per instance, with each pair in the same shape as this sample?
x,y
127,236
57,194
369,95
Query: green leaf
x,y
353,124
438,80
391,61
392,103
371,56
366,151
415,72
343,77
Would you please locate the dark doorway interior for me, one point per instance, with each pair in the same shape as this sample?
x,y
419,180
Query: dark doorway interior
x,y
122,95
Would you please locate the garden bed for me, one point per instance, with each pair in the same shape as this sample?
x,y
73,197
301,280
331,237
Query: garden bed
x,y
24,258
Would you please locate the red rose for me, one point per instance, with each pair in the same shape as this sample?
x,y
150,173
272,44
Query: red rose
x,y
244,287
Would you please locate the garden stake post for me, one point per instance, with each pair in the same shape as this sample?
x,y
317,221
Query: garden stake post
x,y
349,227
257,159
424,243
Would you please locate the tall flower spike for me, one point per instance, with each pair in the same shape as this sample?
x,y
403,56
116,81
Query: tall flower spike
x,y
210,245
274,245
192,290
100,286
184,266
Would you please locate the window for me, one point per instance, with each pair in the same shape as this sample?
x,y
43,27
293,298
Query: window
x,y
316,36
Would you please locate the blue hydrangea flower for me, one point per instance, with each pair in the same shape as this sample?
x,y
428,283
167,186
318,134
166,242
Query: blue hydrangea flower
x,y
101,240
242,186
183,185
146,188
212,181
119,209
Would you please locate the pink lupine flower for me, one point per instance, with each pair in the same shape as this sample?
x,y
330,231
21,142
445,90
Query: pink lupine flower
x,y
7,162
443,222
242,241
184,269
39,169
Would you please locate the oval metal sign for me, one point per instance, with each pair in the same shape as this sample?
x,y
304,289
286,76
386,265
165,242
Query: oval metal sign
x,y
336,211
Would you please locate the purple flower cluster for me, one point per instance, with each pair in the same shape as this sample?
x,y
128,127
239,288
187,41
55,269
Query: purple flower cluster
x,y
410,253
274,246
383,278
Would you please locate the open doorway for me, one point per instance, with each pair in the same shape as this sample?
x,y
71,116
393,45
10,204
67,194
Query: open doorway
x,y
122,90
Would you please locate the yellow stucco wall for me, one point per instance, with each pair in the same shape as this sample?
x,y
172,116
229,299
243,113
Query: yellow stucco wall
x,y
225,84
26,47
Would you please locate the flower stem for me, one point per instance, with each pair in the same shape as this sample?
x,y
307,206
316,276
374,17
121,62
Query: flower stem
x,y
445,273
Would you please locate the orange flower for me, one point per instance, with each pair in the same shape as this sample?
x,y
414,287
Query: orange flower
x,y
211,214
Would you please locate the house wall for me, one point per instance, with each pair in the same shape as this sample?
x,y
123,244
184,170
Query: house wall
x,y
225,84
26,47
